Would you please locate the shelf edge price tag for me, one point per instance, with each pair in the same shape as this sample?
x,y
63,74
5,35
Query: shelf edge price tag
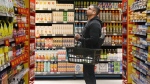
x,y
7,42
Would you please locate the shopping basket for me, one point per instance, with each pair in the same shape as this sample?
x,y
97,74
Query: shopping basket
x,y
83,55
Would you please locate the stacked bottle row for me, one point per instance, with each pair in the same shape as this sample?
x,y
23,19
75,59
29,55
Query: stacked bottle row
x,y
48,66
60,55
54,42
113,40
112,28
110,15
58,67
111,54
85,4
105,15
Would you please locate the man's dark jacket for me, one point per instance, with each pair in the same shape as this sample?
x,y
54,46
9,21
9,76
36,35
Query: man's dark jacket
x,y
91,34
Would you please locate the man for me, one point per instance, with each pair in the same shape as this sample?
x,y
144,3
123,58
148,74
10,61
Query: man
x,y
90,39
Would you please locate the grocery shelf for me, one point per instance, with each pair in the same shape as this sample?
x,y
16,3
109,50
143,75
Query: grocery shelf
x,y
115,34
73,73
4,66
139,20
100,8
136,80
104,21
57,35
40,60
112,45
139,69
54,22
51,10
148,11
81,21
109,60
50,48
138,8
18,77
54,73
112,21
10,40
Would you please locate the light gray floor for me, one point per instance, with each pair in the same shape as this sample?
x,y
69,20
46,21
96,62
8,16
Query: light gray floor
x,y
77,82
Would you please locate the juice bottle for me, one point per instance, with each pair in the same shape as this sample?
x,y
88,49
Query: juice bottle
x,y
117,28
120,28
76,3
119,16
76,15
109,15
91,2
79,15
84,4
100,15
79,5
111,30
105,54
112,15
113,40
104,29
83,15
120,40
106,15
114,28
101,55
109,39
107,28
116,39
87,4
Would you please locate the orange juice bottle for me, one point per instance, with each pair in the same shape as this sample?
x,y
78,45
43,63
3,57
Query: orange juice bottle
x,y
120,39
113,40
112,16
116,39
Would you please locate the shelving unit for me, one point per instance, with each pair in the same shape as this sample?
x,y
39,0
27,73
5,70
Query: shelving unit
x,y
32,42
135,46
50,44
14,48
127,42
139,42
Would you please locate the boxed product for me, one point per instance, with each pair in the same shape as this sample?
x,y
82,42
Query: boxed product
x,y
78,67
103,67
110,67
62,66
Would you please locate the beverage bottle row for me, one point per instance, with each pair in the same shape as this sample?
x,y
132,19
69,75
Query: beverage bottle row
x,y
48,66
80,15
79,27
109,4
112,28
84,4
114,40
110,15
110,54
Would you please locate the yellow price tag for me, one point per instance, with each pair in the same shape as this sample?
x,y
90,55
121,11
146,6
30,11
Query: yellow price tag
x,y
12,63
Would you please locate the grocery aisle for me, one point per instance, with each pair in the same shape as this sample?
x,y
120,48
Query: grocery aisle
x,y
77,82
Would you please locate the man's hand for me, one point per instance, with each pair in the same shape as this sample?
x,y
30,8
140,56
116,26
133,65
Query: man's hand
x,y
77,37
